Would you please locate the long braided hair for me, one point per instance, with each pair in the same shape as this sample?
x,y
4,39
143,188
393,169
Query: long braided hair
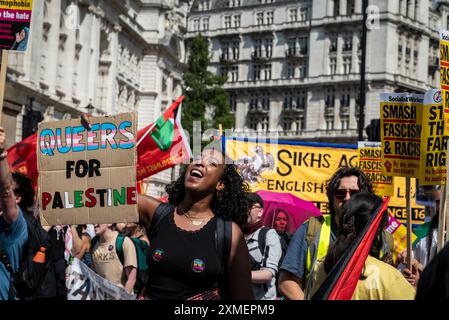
x,y
357,211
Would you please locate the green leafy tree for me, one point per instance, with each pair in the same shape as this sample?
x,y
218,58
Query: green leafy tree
x,y
204,90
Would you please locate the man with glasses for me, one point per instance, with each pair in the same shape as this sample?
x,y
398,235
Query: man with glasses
x,y
265,250
312,240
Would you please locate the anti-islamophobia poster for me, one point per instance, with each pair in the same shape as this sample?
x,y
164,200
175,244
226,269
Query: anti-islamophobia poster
x,y
15,19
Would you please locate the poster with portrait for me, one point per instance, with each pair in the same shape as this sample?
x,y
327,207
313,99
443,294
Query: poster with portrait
x,y
15,20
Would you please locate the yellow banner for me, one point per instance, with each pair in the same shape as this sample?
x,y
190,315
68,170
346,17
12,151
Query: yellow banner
x,y
370,162
303,170
400,127
444,73
432,169
16,4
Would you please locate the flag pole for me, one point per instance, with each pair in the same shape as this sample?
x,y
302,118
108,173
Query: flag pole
x,y
3,72
409,223
146,133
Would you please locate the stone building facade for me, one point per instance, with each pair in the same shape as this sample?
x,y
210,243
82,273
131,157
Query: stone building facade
x,y
111,56
293,67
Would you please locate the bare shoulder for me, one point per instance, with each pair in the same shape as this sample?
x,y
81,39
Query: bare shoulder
x,y
146,206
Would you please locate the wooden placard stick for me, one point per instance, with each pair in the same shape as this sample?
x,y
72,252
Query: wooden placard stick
x,y
409,223
3,72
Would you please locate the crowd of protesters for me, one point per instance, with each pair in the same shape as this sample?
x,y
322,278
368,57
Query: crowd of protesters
x,y
209,242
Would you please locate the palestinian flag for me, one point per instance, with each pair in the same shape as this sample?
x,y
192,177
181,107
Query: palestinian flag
x,y
163,144
341,282
22,157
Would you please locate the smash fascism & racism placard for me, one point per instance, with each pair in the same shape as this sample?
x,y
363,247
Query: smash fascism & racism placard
x,y
370,162
444,73
15,19
303,169
400,126
432,169
88,176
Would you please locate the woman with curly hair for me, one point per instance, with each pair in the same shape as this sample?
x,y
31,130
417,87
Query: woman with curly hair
x,y
185,260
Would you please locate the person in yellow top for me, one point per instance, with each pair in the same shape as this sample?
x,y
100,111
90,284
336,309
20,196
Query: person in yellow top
x,y
378,280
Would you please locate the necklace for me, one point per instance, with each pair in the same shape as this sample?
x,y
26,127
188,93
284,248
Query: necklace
x,y
195,221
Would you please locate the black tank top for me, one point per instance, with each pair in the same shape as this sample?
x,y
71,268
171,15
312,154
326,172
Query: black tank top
x,y
182,263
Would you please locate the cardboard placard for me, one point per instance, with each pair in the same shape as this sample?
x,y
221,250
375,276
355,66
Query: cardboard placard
x,y
400,127
88,177
15,20
370,162
432,169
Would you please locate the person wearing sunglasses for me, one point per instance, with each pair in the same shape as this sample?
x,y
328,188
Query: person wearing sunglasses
x,y
312,240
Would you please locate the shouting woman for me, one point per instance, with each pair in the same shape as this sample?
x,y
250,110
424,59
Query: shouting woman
x,y
187,258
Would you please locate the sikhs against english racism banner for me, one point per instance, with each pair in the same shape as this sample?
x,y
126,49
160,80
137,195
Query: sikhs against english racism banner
x,y
15,19
88,176
303,169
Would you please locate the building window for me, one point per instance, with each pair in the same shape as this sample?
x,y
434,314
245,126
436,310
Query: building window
x,y
291,43
235,50
233,3
291,70
302,70
227,22
205,24
233,102
347,65
234,74
347,43
225,50
270,18
333,65
329,124
330,99
293,15
333,44
257,48
237,21
265,102
303,14
268,47
196,25
257,68
259,19
336,8
303,45
344,123
267,72
350,7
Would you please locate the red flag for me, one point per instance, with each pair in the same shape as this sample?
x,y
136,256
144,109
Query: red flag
x,y
165,146
341,282
22,157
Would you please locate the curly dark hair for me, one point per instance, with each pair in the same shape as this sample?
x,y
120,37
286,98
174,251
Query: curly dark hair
x,y
24,189
230,203
364,183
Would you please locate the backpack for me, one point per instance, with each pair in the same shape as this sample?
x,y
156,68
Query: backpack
x,y
142,249
223,240
25,283
261,242
53,281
